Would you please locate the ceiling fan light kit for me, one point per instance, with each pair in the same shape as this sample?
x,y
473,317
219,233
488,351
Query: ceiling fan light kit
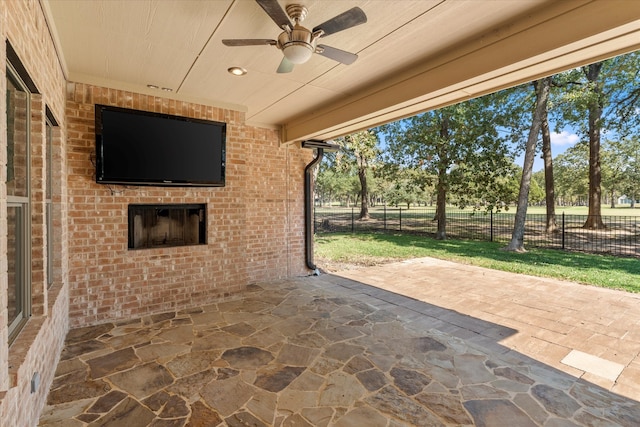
x,y
298,52
298,43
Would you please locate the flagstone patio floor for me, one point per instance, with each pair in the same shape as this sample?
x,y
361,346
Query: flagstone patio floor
x,y
416,343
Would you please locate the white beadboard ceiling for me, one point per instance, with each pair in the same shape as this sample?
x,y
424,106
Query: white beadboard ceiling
x,y
414,55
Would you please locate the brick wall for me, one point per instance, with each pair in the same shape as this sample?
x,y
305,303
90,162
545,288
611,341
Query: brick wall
x,y
254,223
275,185
37,347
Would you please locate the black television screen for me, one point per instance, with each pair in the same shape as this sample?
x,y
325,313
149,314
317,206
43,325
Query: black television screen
x,y
145,148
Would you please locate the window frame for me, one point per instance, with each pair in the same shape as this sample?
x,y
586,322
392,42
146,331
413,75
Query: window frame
x,y
23,229
49,126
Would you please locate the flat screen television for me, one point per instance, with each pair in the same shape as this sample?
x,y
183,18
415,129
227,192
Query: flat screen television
x,y
145,148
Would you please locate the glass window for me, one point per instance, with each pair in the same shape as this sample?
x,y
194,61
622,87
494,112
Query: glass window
x,y
18,203
14,258
17,138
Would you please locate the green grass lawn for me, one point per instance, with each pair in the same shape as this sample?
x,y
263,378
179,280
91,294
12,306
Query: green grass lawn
x,y
365,249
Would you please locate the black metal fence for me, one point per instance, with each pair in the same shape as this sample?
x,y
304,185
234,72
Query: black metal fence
x,y
620,237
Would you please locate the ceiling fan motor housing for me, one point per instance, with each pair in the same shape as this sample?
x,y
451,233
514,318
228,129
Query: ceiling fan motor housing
x,y
298,45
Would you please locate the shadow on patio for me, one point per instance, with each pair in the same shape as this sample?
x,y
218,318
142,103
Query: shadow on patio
x,y
320,351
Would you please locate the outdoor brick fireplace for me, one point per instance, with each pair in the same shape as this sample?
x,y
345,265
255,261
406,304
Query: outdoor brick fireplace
x,y
157,226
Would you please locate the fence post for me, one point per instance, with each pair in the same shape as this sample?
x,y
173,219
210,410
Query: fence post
x,y
353,226
563,230
400,219
491,225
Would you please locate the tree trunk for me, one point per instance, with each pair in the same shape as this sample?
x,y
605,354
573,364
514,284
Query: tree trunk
x,y
441,185
364,198
549,185
441,212
613,199
594,218
542,96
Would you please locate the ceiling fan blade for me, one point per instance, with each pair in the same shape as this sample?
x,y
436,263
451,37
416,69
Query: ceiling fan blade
x,y
275,12
342,56
248,42
348,19
285,66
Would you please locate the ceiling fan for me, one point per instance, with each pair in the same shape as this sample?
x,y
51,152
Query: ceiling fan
x,y
298,43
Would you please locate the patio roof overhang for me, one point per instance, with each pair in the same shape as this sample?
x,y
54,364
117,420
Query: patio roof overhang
x,y
413,55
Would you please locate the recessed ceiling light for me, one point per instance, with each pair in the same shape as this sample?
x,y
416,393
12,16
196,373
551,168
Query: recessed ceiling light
x,y
237,71
153,87
167,89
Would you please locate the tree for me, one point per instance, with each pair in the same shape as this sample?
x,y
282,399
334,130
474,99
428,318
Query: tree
x,y
375,187
330,185
542,88
571,173
358,152
614,176
405,186
607,95
595,106
623,172
460,147
549,183
536,192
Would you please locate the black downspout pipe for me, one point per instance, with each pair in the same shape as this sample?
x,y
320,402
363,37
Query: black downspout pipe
x,y
308,209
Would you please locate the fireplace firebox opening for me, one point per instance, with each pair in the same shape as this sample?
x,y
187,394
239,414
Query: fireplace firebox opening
x,y
161,226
